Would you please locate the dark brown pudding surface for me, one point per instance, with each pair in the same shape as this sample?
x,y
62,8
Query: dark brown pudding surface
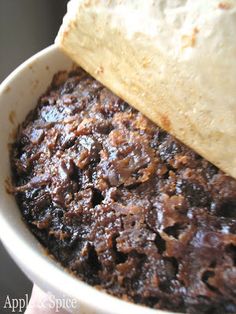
x,y
123,204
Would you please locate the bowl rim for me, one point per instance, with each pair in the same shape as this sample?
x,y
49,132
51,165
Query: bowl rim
x,y
46,267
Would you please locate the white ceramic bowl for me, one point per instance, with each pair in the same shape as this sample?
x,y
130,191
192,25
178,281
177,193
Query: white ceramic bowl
x,y
18,95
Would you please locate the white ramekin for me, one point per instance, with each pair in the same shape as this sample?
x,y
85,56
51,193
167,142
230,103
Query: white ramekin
x,y
18,95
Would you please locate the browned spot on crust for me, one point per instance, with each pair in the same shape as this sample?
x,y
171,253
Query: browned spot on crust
x,y
89,3
165,121
146,62
64,35
12,117
99,70
31,66
47,68
224,5
74,23
7,89
190,40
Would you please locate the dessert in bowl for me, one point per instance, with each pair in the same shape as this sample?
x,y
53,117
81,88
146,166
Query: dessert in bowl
x,y
118,201
115,199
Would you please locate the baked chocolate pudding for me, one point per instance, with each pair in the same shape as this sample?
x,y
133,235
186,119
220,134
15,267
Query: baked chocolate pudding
x,y
124,205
